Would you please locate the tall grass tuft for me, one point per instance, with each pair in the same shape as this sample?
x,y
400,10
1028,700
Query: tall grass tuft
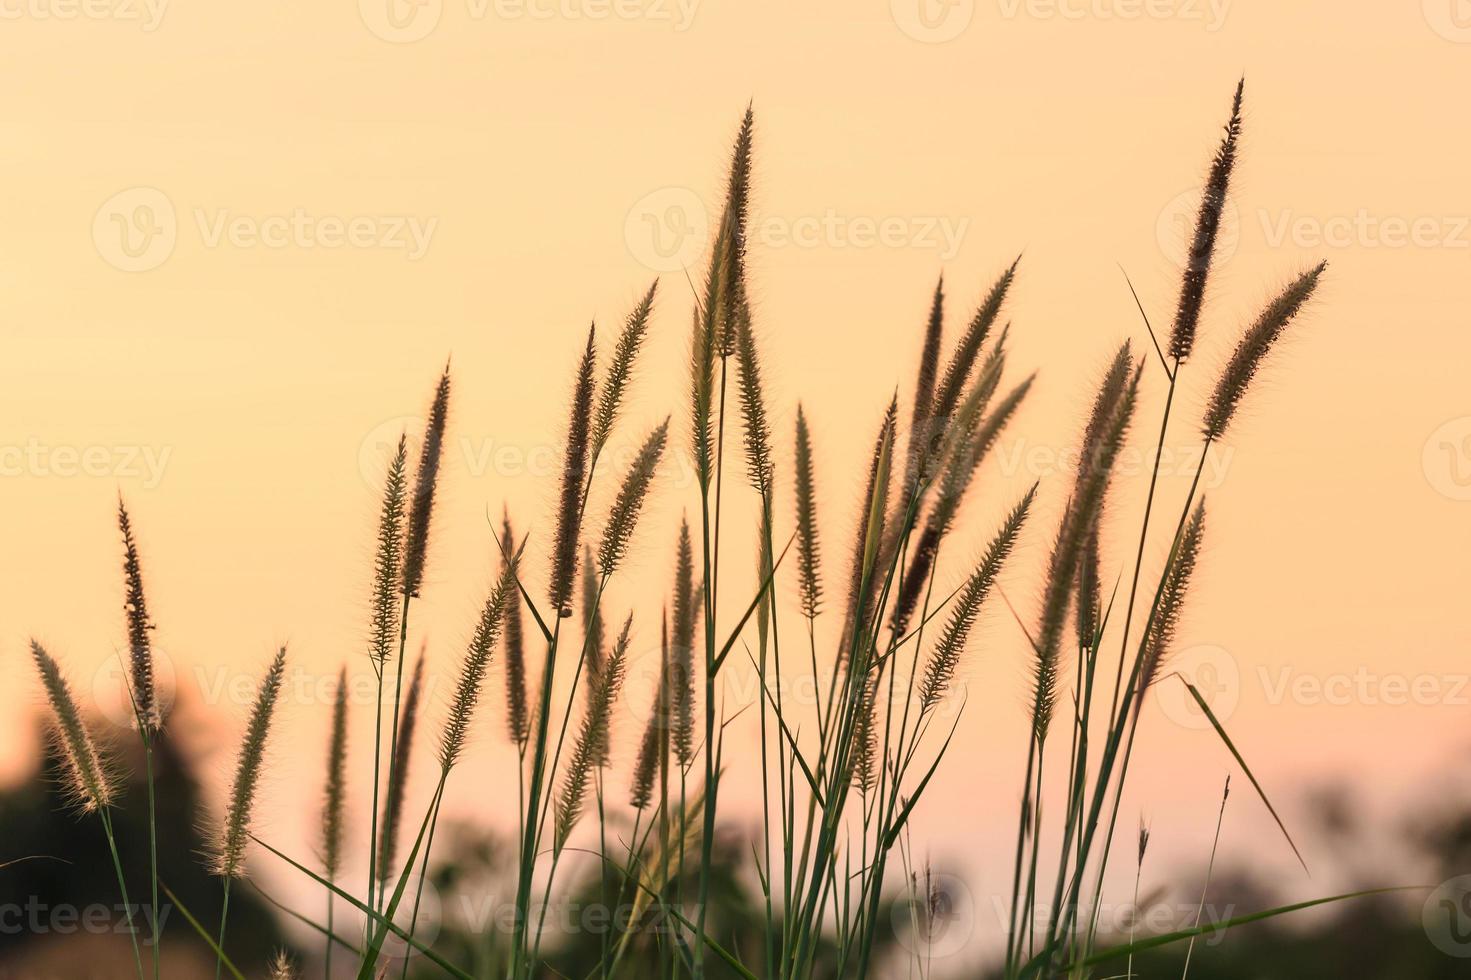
x,y
229,845
334,802
592,621
940,668
388,561
574,474
1255,344
592,740
229,850
135,607
620,371
809,556
681,681
426,481
518,718
88,780
1203,242
623,518
1160,635
398,775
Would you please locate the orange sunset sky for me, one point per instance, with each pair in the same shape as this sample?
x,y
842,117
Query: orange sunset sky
x,y
238,244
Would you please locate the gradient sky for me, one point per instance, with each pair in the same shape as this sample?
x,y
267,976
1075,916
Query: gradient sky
x,y
240,244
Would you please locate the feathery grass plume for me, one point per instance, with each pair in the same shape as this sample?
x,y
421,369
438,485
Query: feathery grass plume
x,y
592,620
1253,348
393,800
87,776
1143,839
940,669
574,476
229,851
388,562
518,718
921,420
1203,243
725,290
865,763
1109,392
1062,566
953,483
623,518
335,798
1088,599
1161,633
702,397
282,968
503,596
592,739
809,560
870,529
681,652
681,649
753,405
653,748
969,346
1089,591
641,789
135,605
426,480
625,352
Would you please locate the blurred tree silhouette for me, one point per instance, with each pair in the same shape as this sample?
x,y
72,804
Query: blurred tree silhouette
x,y
52,899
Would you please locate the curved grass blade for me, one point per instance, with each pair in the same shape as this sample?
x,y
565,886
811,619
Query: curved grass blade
x,y
376,917
1244,768
203,932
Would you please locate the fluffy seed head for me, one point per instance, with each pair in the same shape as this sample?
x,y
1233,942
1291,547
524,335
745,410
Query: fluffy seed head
x,y
135,608
388,561
518,718
592,740
574,478
809,559
416,544
1062,568
1253,348
753,405
88,780
335,800
399,778
623,518
1159,635
1203,243
229,853
969,346
592,620
620,371
939,671
473,668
